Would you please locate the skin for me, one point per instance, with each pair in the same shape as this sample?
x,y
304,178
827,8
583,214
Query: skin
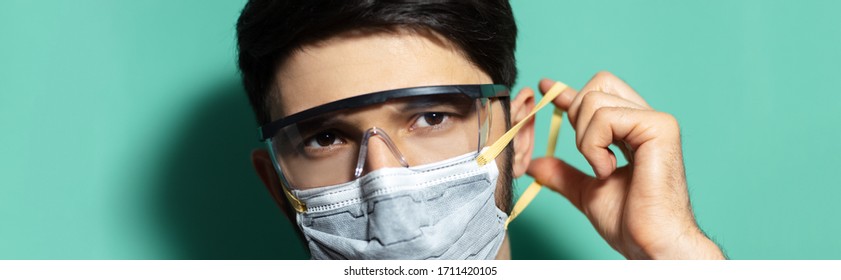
x,y
655,220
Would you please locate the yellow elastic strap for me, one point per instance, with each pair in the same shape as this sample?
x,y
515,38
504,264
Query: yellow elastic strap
x,y
531,192
296,203
493,151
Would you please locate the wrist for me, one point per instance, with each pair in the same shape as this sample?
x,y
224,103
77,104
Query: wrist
x,y
693,246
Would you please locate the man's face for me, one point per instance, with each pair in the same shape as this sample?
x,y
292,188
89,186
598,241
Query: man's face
x,y
354,64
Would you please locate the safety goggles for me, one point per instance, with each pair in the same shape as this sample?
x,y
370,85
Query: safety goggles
x,y
337,142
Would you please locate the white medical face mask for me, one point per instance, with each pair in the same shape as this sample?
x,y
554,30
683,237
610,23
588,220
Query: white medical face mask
x,y
443,210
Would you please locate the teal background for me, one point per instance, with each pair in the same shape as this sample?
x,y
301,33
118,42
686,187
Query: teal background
x,y
124,132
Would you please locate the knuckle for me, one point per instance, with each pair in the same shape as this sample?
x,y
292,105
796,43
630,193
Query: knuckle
x,y
584,149
603,75
604,112
664,124
590,99
668,120
582,144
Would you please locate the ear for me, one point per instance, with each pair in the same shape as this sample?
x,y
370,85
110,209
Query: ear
x,y
262,162
523,144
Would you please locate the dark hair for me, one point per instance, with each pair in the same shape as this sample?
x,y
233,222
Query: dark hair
x,y
270,30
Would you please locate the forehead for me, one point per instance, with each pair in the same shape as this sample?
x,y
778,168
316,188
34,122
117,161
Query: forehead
x,y
352,64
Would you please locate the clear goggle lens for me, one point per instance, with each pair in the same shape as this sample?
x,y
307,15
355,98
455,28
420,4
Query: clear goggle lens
x,y
339,146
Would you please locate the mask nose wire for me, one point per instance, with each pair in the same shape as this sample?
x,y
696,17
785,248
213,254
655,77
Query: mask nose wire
x,y
363,149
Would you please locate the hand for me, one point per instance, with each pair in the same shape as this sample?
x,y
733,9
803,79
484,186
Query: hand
x,y
641,209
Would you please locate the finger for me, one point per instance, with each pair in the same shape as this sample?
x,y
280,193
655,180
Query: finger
x,y
608,83
560,177
591,102
577,104
632,126
563,100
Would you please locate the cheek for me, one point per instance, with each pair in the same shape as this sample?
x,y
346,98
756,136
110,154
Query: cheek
x,y
504,185
504,191
498,125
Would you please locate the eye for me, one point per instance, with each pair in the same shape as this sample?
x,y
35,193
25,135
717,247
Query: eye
x,y
323,139
431,119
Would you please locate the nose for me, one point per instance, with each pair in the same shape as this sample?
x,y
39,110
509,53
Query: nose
x,y
378,151
379,155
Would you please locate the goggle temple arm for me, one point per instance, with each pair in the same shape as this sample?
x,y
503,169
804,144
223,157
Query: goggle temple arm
x,y
298,205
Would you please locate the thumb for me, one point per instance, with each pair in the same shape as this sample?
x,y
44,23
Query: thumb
x,y
560,177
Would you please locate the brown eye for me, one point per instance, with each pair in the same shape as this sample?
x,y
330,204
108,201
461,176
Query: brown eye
x,y
323,139
431,119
